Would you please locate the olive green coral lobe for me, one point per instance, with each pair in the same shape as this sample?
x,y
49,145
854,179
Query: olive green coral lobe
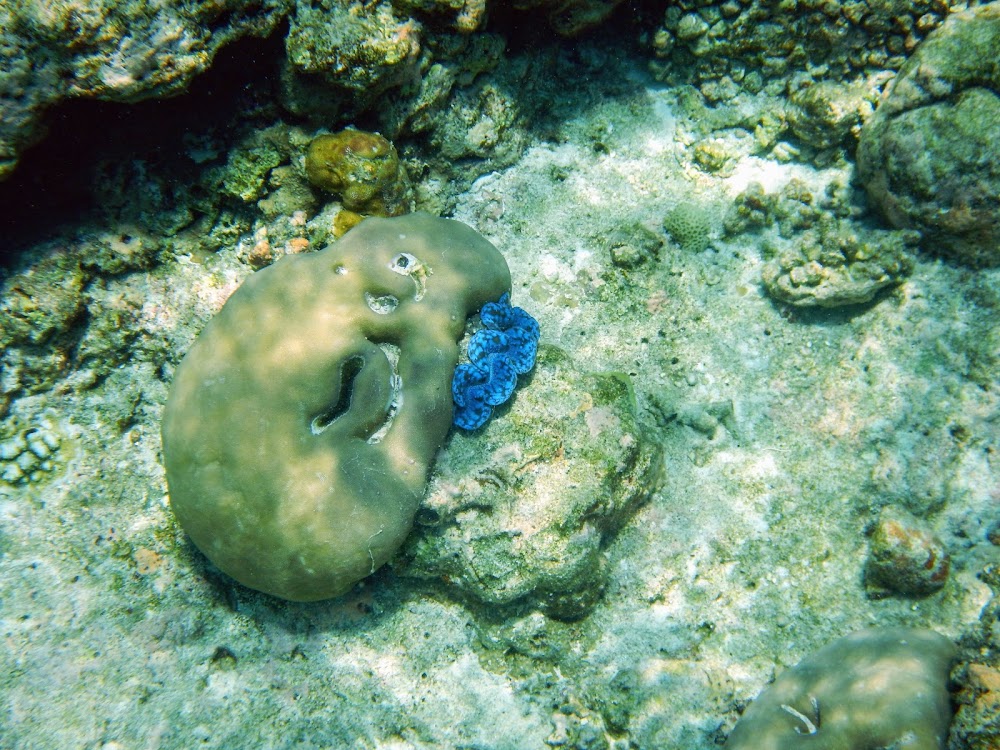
x,y
876,688
283,486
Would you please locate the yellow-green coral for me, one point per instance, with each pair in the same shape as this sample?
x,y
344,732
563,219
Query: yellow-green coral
x,y
689,226
363,169
301,425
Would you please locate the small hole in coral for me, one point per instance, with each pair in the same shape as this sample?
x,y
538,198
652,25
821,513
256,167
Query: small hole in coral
x,y
382,305
349,372
404,264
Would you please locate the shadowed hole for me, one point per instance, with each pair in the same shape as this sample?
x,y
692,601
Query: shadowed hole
x,y
349,372
382,305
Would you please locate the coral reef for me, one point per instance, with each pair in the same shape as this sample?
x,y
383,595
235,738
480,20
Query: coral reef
x,y
670,513
726,47
110,51
818,254
884,687
249,165
363,51
39,308
303,421
838,264
930,156
462,15
823,115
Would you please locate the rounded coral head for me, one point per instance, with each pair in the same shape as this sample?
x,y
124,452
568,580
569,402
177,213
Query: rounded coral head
x,y
302,423
363,169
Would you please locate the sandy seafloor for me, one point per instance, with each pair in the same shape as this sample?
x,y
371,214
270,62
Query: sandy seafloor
x,y
117,634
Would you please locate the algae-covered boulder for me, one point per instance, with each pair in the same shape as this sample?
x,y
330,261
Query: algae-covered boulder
x,y
361,49
302,423
518,516
112,51
838,263
825,114
930,156
874,689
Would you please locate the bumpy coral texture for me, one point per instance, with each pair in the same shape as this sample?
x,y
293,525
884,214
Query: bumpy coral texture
x,y
363,169
689,225
503,349
302,423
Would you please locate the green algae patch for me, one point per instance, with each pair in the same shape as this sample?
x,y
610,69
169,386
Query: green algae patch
x,y
302,423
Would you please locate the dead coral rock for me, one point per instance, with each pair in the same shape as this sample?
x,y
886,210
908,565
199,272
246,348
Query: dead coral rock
x,y
110,51
904,557
930,156
119,252
519,514
364,49
462,15
839,264
824,114
977,722
43,301
40,309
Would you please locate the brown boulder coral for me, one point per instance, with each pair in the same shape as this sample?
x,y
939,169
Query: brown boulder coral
x,y
302,423
363,169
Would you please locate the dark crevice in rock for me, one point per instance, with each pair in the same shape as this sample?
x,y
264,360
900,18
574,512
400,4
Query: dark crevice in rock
x,y
56,182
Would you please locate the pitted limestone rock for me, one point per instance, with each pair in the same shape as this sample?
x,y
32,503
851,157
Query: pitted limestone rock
x,y
518,516
302,423
930,156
